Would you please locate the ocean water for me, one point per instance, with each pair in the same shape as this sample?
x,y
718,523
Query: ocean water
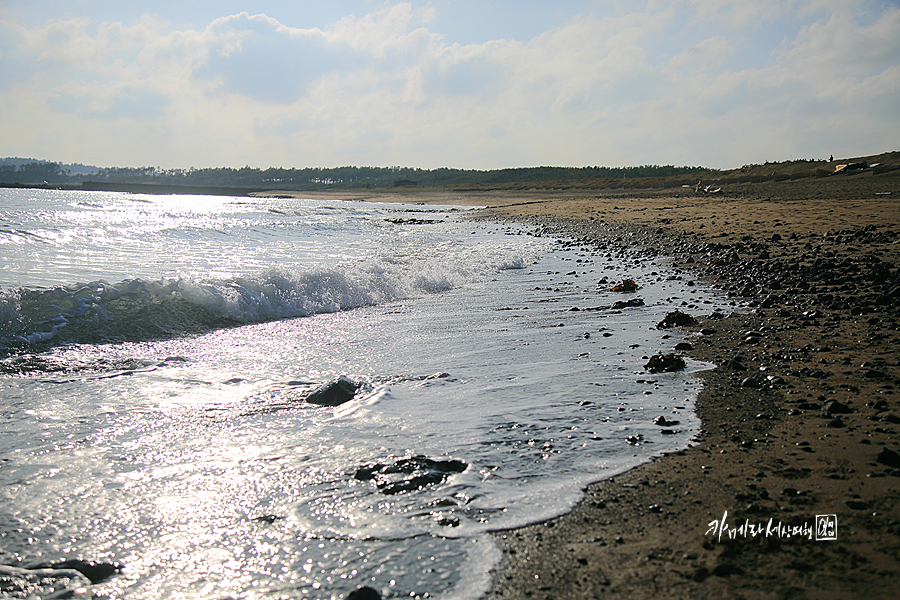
x,y
156,353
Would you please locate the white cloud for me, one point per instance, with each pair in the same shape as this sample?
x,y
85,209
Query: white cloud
x,y
741,13
710,53
839,44
383,30
672,83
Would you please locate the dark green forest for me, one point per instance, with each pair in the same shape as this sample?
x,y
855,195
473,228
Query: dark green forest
x,y
40,172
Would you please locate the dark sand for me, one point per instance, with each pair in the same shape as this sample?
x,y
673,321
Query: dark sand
x,y
817,259
829,333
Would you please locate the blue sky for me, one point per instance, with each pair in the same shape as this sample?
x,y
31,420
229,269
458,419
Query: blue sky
x,y
462,83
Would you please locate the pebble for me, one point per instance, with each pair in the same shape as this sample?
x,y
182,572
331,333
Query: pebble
x,y
888,457
770,301
676,319
751,382
364,593
334,393
734,365
627,303
727,570
665,363
627,285
834,407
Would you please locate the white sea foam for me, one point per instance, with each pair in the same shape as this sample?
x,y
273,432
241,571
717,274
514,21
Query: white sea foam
x,y
131,309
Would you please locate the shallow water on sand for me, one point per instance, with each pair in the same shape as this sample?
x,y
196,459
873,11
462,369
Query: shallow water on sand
x,y
158,351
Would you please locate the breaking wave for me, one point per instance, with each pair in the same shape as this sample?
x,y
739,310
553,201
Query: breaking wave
x,y
139,309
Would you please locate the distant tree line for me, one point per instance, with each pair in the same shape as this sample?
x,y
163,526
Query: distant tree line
x,y
312,178
34,172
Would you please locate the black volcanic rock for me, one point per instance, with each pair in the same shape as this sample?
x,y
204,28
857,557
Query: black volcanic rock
x,y
676,318
409,474
664,363
333,393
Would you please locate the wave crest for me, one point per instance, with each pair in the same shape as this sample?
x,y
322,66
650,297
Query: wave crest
x,y
139,309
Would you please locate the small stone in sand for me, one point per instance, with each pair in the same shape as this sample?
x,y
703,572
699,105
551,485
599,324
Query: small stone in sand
x,y
664,363
888,457
676,318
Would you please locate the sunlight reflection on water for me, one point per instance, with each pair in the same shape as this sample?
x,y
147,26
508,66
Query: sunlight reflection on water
x,y
191,459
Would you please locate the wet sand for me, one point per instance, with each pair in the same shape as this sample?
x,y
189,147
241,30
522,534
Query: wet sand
x,y
799,418
796,420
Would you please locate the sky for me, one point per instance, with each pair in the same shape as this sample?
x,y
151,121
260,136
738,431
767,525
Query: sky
x,y
447,83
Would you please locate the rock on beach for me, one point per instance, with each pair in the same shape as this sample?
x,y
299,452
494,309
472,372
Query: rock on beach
x,y
676,319
664,363
409,474
333,393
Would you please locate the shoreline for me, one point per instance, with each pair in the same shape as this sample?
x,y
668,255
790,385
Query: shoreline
x,y
794,421
799,418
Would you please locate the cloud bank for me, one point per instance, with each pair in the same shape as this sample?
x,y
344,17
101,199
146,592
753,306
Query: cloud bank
x,y
706,82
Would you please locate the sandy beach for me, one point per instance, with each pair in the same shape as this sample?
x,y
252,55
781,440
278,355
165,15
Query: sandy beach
x,y
800,416
798,421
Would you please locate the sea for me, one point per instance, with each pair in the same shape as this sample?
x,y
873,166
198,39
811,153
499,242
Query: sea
x,y
157,351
